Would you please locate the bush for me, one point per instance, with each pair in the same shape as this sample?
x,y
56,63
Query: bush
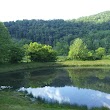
x,y
106,57
40,53
16,54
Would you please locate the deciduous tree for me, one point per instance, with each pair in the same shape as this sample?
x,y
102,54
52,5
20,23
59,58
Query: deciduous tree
x,y
78,50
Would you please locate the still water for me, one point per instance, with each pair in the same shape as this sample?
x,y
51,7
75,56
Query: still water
x,y
82,86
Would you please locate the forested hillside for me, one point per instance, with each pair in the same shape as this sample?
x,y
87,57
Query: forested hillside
x,y
93,30
12,51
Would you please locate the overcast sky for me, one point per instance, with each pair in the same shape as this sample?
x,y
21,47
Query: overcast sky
x,y
50,9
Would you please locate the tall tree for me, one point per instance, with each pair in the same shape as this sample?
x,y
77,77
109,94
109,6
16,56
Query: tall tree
x,y
16,53
78,50
5,42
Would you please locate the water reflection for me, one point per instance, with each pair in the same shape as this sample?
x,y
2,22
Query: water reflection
x,y
14,80
71,95
91,78
36,78
62,85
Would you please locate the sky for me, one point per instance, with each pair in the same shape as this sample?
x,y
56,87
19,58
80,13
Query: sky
x,y
12,10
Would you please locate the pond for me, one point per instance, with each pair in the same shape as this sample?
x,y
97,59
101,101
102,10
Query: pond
x,y
81,86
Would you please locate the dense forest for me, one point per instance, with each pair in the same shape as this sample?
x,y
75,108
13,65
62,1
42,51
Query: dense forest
x,y
12,51
93,30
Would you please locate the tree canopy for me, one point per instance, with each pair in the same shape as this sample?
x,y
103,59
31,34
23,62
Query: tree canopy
x,y
5,42
85,38
39,52
93,30
78,50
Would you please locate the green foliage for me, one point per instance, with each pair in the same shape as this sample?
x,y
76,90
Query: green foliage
x,y
91,55
100,52
106,57
93,30
62,48
98,18
78,50
5,42
62,58
9,51
21,42
39,52
16,53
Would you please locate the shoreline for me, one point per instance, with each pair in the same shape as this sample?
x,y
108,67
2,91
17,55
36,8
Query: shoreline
x,y
17,100
40,65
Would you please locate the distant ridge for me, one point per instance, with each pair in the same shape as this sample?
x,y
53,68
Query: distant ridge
x,y
100,17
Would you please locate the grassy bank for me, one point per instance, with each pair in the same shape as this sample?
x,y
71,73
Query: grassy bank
x,y
18,101
35,65
13,100
24,66
95,63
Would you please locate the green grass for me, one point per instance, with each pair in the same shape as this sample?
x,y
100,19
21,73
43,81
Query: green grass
x,y
39,65
11,100
86,63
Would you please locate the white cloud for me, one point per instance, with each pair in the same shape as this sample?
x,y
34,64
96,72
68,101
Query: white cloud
x,y
71,95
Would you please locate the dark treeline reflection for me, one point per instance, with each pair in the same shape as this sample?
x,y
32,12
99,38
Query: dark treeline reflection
x,y
35,78
96,79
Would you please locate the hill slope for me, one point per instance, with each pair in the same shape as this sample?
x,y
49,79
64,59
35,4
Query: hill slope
x,y
98,18
94,30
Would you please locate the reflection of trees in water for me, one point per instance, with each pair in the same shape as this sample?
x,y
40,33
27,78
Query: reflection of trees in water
x,y
36,78
14,80
61,79
49,77
41,78
98,79
28,78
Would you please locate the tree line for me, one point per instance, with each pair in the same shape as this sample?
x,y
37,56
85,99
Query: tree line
x,y
93,30
79,51
86,38
12,51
